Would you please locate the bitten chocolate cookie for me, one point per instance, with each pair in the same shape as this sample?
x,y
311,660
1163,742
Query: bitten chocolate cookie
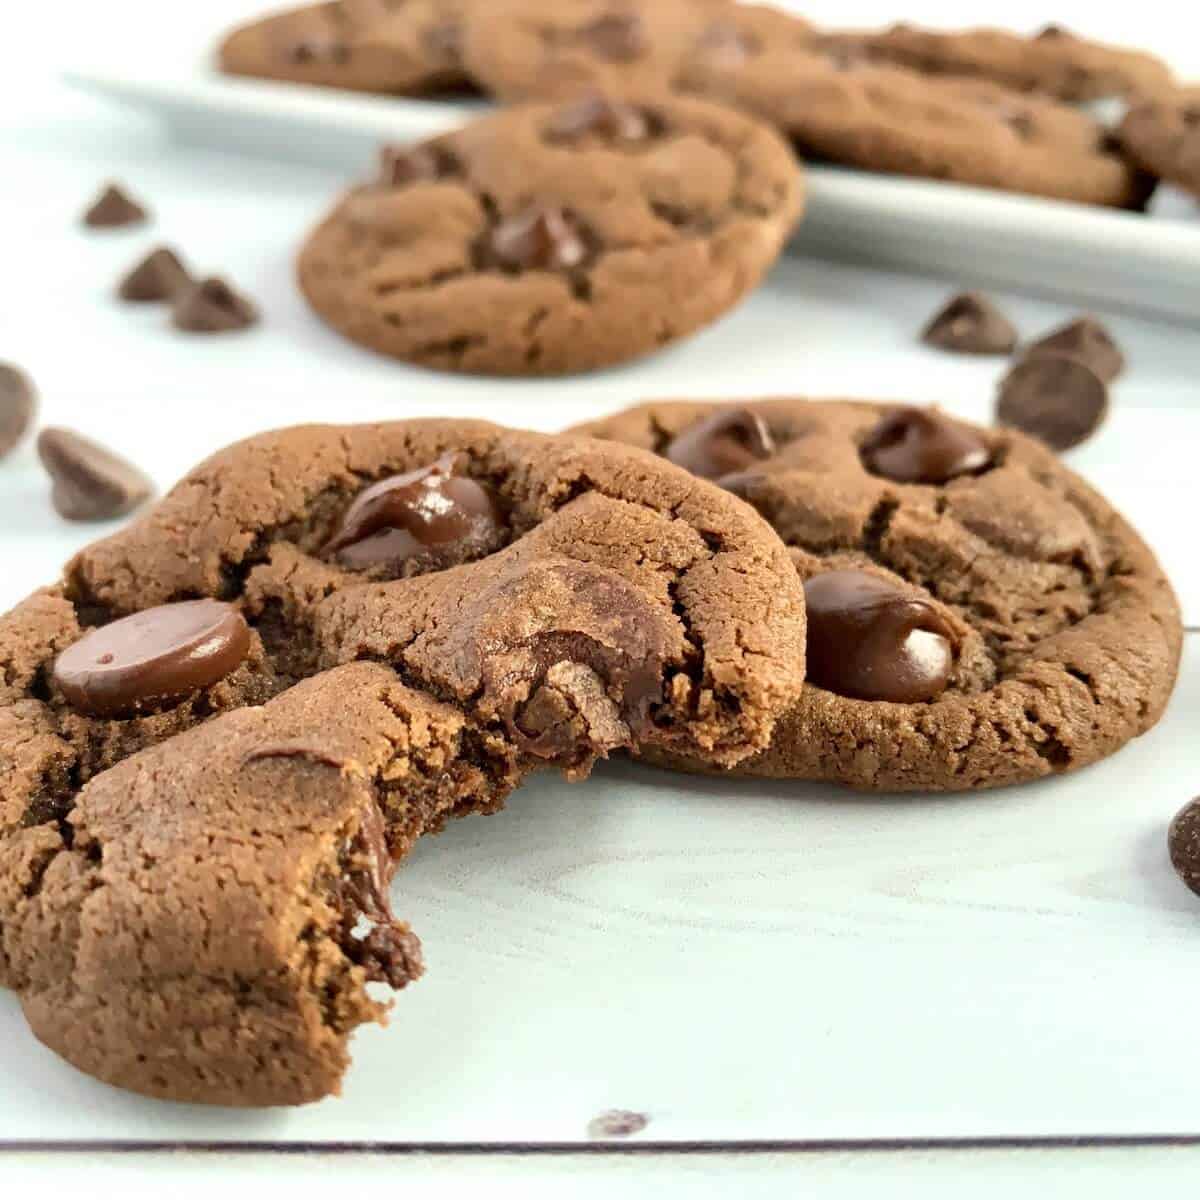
x,y
838,104
1162,134
1053,61
554,238
223,728
523,49
977,615
399,47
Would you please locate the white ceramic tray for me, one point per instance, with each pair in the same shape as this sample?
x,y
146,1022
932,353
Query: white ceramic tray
x,y
1106,258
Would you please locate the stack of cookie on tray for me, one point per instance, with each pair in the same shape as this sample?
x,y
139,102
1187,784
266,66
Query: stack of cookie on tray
x,y
226,724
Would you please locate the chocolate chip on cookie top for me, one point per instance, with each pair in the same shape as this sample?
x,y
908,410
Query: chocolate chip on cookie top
x,y
1061,634
558,237
149,657
1053,61
727,442
871,639
522,49
386,625
1161,133
400,47
837,102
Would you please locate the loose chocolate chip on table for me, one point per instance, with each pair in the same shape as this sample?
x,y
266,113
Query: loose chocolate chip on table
x,y
212,306
970,323
158,276
1054,397
401,165
868,639
1086,339
599,115
542,238
90,482
18,407
618,36
155,656
1183,842
427,512
727,442
919,445
112,208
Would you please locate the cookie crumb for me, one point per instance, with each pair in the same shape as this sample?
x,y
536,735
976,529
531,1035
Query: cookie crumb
x,y
617,1123
970,323
114,208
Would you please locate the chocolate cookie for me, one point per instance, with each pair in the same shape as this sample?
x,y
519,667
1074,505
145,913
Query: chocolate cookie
x,y
554,238
398,47
223,728
522,49
977,615
1162,134
1054,61
838,104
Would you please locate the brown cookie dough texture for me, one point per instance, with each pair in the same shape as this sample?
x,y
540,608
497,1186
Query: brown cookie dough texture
x,y
1162,134
402,47
194,883
666,230
1068,634
1053,61
838,104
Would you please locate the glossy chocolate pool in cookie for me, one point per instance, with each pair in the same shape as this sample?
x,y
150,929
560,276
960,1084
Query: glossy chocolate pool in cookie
x,y
541,237
727,442
429,509
157,655
870,640
916,445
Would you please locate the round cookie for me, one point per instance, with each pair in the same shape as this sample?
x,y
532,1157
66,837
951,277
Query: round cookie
x,y
398,47
554,238
838,104
1047,633
227,724
1162,135
1054,61
526,49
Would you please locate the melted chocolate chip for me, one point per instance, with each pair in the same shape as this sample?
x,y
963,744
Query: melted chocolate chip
x,y
540,238
1183,843
152,657
597,114
918,445
402,165
430,515
868,639
617,36
727,442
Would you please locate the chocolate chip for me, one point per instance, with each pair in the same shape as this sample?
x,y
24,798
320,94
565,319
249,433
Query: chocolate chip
x,y
868,639
153,657
617,1122
720,445
112,208
598,114
212,306
1086,339
430,515
402,165
90,483
18,407
542,238
920,445
158,276
1054,397
971,324
617,36
1183,842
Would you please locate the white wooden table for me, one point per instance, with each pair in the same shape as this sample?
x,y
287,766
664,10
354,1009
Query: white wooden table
x,y
797,986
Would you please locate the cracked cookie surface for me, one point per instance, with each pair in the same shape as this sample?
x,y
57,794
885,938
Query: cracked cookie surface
x,y
226,725
1064,634
1162,134
400,47
554,238
838,104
